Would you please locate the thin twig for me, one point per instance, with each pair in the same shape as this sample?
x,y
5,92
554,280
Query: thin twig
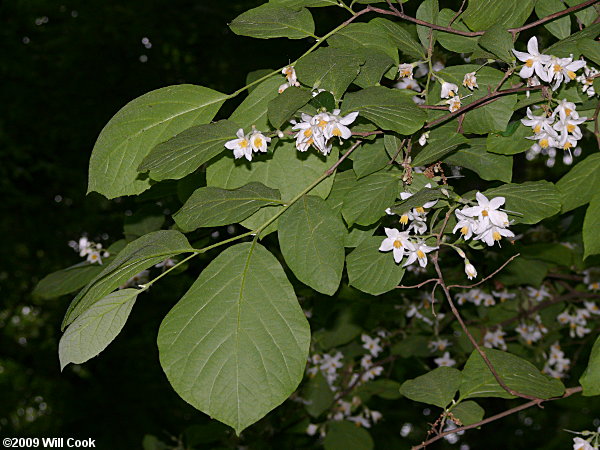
x,y
458,13
537,402
415,286
469,286
507,74
344,156
391,161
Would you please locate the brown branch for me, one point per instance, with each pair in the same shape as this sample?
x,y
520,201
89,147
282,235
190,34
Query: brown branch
x,y
400,147
537,402
469,286
433,107
458,13
415,286
480,102
344,156
513,31
366,133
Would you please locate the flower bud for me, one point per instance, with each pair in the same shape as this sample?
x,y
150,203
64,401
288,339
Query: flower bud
x,y
470,270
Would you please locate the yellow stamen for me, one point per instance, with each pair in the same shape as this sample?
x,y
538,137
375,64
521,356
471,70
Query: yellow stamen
x,y
420,209
397,244
484,213
464,230
568,111
557,68
244,143
571,75
404,219
529,63
537,129
322,123
336,132
544,143
567,145
308,132
420,254
258,142
496,236
310,141
570,128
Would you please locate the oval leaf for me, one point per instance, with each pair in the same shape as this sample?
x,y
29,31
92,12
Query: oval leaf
x,y
590,380
367,202
141,124
235,346
268,21
437,387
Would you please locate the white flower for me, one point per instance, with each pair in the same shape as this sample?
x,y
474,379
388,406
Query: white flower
x,y
448,90
418,252
408,83
360,421
538,294
570,125
592,307
371,373
312,429
398,242
439,345
311,132
467,225
493,234
470,270
423,138
487,210
94,257
371,344
534,61
560,69
538,123
405,71
258,141
503,295
495,339
565,109
470,81
587,80
336,126
454,103
582,444
240,146
445,360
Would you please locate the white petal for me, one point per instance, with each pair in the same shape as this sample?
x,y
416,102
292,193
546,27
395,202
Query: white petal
x,y
532,46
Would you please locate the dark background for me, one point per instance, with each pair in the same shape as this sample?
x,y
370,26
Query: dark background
x,y
66,68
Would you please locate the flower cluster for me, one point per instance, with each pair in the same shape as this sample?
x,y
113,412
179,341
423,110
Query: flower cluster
x,y
483,222
495,339
556,365
91,250
576,318
318,130
290,75
450,91
531,331
557,129
548,68
245,144
587,80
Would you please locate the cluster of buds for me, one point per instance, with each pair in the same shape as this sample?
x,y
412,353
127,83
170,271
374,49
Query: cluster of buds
x,y
548,68
319,130
92,251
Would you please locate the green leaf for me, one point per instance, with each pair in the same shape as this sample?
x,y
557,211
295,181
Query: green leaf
x,y
286,170
332,69
518,374
268,21
318,395
66,280
366,35
489,166
369,158
580,183
323,100
96,327
372,271
534,200
343,183
184,153
389,109
437,387
454,42
213,207
141,124
524,271
483,14
297,4
384,388
591,228
498,41
345,435
253,110
590,380
400,37
343,332
568,46
586,15
235,346
285,105
492,117
135,257
417,200
428,11
561,28
311,238
376,65
367,202
442,141
590,49
468,412
510,145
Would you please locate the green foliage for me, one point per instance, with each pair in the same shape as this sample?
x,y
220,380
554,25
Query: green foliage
x,y
283,107
484,14
578,186
343,435
468,412
219,340
268,21
366,203
591,224
437,387
590,380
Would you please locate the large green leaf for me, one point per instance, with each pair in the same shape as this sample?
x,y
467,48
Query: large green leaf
x,y
427,11
483,14
184,153
498,41
135,257
369,157
389,109
311,238
332,69
568,46
212,207
512,144
561,28
372,271
590,49
345,435
442,141
590,380
468,412
400,37
437,387
591,227
286,170
376,65
367,202
297,4
268,21
455,42
518,374
253,110
366,35
141,124
66,280
489,166
580,183
344,182
532,200
235,346
286,104
96,327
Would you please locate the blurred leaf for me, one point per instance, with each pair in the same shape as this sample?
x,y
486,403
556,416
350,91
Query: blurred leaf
x,y
318,395
591,228
345,435
590,380
437,387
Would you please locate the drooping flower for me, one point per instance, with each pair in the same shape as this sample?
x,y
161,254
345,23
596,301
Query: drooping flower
x,y
398,242
418,253
562,69
470,270
448,90
405,71
470,81
454,103
337,125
